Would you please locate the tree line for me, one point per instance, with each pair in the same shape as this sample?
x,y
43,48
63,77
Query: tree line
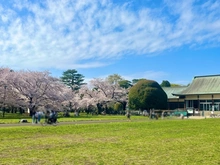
x,y
32,90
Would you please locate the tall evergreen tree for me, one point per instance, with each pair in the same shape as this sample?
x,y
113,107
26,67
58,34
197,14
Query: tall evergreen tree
x,y
73,79
165,83
134,81
125,84
114,79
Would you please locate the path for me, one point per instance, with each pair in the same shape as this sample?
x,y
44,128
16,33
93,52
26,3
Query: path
x,y
69,123
88,122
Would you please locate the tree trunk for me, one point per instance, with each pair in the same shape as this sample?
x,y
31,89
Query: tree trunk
x,y
99,106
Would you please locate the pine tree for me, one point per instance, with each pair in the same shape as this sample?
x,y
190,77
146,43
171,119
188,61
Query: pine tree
x,y
73,79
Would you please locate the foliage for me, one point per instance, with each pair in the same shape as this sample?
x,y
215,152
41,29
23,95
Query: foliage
x,y
114,79
147,94
125,84
165,83
175,85
118,107
103,93
30,89
73,79
134,81
154,142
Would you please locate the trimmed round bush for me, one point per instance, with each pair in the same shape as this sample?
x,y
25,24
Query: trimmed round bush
x,y
147,94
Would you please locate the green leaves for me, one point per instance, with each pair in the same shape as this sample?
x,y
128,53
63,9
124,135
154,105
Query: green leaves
x,y
147,94
165,83
73,79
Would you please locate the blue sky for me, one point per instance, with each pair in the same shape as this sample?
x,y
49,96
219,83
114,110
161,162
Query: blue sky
x,y
157,40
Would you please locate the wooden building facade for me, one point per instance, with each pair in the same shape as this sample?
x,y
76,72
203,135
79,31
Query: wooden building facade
x,y
202,94
174,102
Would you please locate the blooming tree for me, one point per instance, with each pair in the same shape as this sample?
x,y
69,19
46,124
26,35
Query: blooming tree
x,y
5,94
102,92
36,89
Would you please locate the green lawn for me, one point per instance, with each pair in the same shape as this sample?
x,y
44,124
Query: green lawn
x,y
15,118
162,142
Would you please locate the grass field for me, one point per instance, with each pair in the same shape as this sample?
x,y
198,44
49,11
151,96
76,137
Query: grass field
x,y
15,118
162,142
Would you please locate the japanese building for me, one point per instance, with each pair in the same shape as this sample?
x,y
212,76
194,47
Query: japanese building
x,y
202,94
174,102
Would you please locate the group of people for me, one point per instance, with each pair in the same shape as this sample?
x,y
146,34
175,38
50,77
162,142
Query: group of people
x,y
50,116
36,117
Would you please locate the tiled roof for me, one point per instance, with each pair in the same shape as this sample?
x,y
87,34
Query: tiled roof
x,y
170,90
202,85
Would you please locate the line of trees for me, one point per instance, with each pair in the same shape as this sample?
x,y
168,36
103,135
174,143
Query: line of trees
x,y
31,90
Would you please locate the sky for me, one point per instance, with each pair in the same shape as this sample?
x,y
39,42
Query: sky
x,y
153,39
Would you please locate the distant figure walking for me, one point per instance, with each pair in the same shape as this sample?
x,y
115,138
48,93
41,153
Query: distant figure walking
x,y
34,117
145,113
128,114
212,114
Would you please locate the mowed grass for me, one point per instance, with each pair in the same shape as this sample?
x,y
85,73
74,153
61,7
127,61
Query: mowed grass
x,y
162,142
15,118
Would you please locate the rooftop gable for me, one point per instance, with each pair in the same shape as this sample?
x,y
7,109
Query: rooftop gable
x,y
209,84
170,90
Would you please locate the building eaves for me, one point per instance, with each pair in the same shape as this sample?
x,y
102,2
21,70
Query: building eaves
x,y
202,85
170,90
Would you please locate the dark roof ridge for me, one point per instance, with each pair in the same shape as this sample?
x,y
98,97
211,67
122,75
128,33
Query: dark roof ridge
x,y
207,75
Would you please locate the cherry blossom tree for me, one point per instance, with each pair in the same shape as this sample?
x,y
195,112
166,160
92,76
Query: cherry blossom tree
x,y
89,97
36,89
4,88
71,101
103,92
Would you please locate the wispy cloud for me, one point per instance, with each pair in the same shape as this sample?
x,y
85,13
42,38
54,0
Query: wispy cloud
x,y
69,33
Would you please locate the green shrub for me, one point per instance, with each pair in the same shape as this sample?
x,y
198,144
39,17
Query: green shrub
x,y
147,94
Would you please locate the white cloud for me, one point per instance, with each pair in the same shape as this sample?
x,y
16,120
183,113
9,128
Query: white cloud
x,y
65,34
